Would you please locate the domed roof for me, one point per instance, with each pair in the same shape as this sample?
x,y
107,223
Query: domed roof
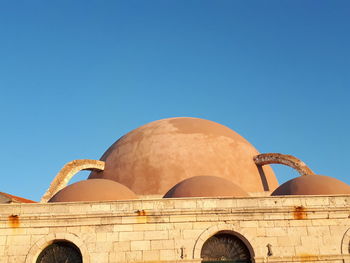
x,y
312,185
156,156
205,186
93,190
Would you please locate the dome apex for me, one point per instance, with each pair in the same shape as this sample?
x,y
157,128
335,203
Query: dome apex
x,y
154,157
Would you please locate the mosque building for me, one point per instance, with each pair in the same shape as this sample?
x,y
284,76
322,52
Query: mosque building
x,y
180,190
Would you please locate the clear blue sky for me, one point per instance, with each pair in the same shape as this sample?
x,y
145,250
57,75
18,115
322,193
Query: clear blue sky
x,y
77,75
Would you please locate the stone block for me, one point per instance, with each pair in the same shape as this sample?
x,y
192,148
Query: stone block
x,y
318,230
330,245
183,225
260,232
188,244
91,246
121,246
277,231
298,223
140,245
53,209
17,250
324,222
191,234
290,201
297,231
164,226
284,251
103,228
227,203
100,207
182,218
206,203
309,245
18,240
112,236
2,250
175,234
123,228
338,230
266,223
130,220
15,259
126,236
183,204
38,230
2,240
201,225
154,235
133,256
152,255
116,257
164,204
59,229
207,218
285,241
317,201
103,247
167,254
158,219
101,237
162,244
249,224
248,202
88,236
144,227
99,257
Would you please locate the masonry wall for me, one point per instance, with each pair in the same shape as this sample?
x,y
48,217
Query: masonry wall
x,y
297,229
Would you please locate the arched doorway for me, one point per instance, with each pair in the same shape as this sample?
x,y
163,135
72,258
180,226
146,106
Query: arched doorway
x,y
60,251
225,247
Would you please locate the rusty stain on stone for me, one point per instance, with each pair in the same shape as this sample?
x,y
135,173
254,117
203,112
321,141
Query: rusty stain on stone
x,y
142,216
13,221
299,213
141,212
307,258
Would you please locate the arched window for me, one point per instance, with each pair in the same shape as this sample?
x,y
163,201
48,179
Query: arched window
x,y
225,247
60,251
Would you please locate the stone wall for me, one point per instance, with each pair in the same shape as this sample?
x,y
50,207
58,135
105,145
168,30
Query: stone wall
x,y
297,229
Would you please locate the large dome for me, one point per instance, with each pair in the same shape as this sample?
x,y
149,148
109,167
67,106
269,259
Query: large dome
x,y
312,185
154,157
205,186
93,190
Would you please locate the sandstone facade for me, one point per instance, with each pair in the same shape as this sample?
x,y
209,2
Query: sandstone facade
x,y
275,229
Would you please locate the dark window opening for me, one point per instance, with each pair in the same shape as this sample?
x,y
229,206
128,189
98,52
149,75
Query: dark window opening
x,y
226,248
60,252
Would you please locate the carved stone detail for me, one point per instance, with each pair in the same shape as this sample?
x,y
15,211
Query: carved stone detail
x,y
278,158
67,172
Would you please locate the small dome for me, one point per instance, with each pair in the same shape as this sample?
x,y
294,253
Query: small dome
x,y
93,190
154,157
205,186
312,185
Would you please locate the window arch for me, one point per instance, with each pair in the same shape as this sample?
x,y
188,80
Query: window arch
x,y
225,247
345,246
60,251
